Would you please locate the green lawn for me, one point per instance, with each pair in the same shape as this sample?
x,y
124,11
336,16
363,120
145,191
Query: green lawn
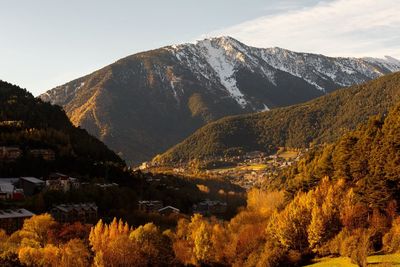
x,y
376,260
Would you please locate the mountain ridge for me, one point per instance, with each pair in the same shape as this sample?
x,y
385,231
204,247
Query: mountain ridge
x,y
176,89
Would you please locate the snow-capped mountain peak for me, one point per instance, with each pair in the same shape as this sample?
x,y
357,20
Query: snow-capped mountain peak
x,y
178,88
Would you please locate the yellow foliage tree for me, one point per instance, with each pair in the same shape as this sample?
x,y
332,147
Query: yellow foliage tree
x,y
154,247
264,202
74,253
36,229
289,227
112,245
325,216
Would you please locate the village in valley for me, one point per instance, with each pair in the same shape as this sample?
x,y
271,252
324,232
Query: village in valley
x,y
255,168
249,170
18,193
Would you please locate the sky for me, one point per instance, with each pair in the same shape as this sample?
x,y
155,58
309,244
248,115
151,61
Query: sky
x,y
45,43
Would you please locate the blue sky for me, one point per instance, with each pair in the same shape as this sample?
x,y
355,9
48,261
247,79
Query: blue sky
x,y
45,43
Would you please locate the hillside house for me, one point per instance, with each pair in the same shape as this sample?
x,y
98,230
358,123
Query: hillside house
x,y
10,153
150,205
45,154
68,213
168,210
61,182
31,185
12,220
210,207
6,191
9,190
145,165
107,185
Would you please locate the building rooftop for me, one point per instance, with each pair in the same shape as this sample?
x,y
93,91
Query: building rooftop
x,y
32,180
8,180
169,207
107,185
212,202
79,206
18,213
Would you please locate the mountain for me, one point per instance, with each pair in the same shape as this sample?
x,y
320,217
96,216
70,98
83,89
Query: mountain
x,y
320,120
145,103
29,124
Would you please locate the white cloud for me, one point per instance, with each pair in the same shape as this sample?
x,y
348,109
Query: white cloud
x,y
338,28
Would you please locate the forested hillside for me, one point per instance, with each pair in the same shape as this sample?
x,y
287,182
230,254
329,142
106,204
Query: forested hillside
x,y
30,124
321,120
367,159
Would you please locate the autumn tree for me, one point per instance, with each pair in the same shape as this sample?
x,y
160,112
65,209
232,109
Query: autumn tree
x,y
290,225
112,245
154,247
74,253
264,202
193,241
325,215
35,231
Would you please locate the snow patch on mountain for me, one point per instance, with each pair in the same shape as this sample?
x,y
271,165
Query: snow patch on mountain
x,y
388,62
265,108
61,94
224,69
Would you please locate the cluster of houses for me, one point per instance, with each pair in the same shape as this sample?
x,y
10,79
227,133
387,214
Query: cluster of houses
x,y
210,207
156,206
18,188
14,189
206,207
252,169
11,153
82,212
13,219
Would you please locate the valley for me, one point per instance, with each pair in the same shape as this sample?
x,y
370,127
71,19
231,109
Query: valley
x,y
200,134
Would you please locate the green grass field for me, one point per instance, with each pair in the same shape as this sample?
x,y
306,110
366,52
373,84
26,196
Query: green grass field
x,y
376,260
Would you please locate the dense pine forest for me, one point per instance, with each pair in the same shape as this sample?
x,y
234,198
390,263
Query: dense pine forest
x,y
321,120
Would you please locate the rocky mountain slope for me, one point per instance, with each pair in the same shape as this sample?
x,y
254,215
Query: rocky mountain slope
x,y
320,120
145,103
